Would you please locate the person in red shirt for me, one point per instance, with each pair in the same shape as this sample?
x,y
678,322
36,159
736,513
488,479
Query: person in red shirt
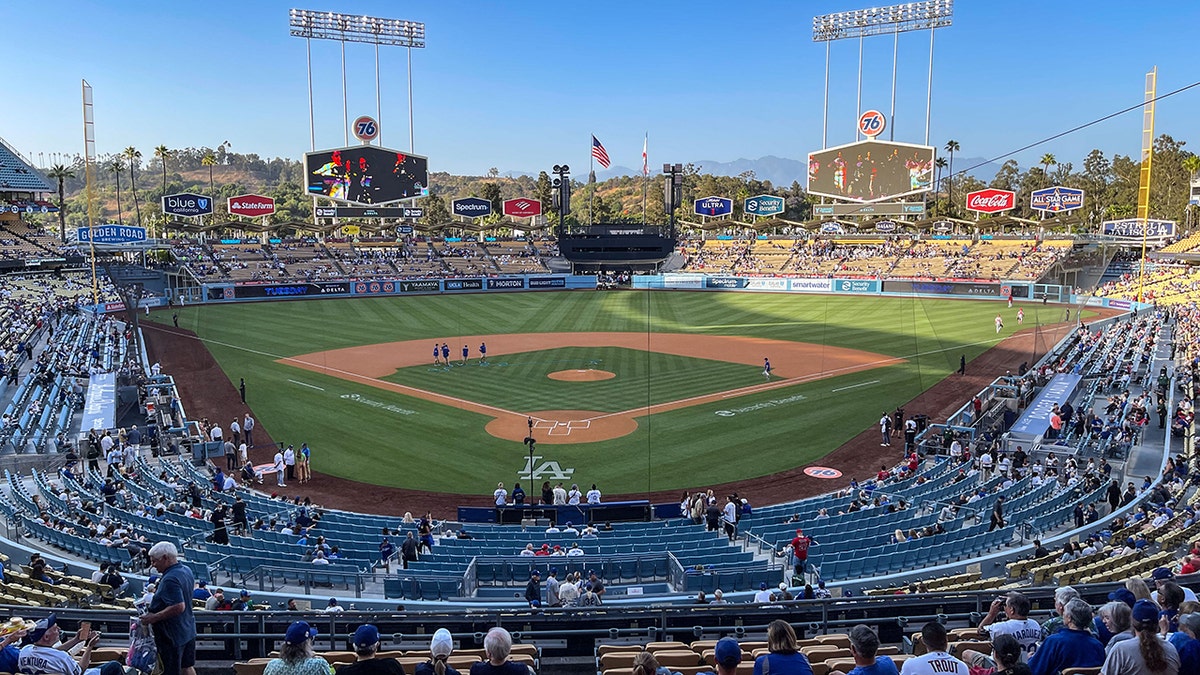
x,y
1189,565
799,547
883,474
913,461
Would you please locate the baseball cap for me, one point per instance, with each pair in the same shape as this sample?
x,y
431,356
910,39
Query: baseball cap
x,y
202,584
1161,573
1145,611
244,593
366,635
442,643
553,570
762,586
727,652
298,632
535,573
783,585
1123,595
332,602
40,628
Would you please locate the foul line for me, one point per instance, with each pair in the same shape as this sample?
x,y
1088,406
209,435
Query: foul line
x,y
305,384
860,384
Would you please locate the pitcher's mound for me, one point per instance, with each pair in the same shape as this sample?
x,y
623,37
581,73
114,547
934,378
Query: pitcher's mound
x,y
581,375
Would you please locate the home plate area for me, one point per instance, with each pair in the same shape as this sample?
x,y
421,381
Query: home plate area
x,y
561,428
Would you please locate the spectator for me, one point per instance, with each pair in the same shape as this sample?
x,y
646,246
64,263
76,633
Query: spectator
x,y
863,645
763,595
170,613
726,656
1062,596
784,657
43,654
1116,617
296,656
719,598
1018,624
497,645
201,591
1146,654
333,607
244,602
1189,648
440,647
366,648
1072,646
644,663
936,660
533,590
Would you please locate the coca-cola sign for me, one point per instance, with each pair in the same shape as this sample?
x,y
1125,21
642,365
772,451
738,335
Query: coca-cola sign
x,y
991,200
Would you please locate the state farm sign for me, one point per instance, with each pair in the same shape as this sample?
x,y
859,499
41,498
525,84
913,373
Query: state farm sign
x,y
251,206
522,207
991,200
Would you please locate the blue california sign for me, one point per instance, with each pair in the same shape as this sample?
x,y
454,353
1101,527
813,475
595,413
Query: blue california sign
x,y
1055,199
713,206
764,205
111,234
471,207
187,205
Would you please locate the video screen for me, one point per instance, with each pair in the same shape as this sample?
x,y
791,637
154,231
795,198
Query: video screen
x,y
870,171
366,174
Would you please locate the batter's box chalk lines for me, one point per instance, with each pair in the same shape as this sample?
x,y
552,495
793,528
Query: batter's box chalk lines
x,y
557,428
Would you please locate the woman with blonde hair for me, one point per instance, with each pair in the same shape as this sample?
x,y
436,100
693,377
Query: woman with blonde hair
x,y
1138,587
784,657
440,647
296,655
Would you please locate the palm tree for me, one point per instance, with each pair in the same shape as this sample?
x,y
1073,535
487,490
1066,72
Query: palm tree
x,y
116,166
951,147
1048,161
163,154
61,173
210,161
1191,164
133,155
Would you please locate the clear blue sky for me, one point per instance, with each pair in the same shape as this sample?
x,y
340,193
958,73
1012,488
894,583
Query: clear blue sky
x,y
521,85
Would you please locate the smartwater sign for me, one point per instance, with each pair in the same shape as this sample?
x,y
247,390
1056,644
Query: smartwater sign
x,y
111,234
187,205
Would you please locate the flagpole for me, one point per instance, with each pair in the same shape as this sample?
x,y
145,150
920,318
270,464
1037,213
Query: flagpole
x,y
645,175
591,180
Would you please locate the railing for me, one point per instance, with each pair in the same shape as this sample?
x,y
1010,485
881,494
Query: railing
x,y
675,572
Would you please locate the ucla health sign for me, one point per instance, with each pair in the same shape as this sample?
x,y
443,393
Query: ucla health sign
x,y
187,205
111,234
1056,199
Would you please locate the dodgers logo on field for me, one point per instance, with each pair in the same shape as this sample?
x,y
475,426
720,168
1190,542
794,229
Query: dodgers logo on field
x,y
549,470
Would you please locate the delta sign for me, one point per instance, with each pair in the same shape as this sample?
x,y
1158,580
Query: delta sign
x,y
251,206
713,206
471,207
1055,199
991,200
522,207
187,205
111,234
764,205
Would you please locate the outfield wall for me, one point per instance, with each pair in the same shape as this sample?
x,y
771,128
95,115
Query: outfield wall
x,y
229,292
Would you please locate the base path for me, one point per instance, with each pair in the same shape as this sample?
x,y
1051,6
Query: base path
x,y
792,363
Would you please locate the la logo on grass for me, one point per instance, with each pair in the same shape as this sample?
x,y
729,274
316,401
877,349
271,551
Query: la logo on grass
x,y
548,470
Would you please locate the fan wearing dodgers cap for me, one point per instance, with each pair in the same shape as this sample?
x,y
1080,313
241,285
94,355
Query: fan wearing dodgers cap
x,y
1161,574
366,648
42,656
296,656
440,647
726,656
1148,652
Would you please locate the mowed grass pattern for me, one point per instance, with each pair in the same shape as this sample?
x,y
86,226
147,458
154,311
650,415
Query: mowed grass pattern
x,y
443,448
520,383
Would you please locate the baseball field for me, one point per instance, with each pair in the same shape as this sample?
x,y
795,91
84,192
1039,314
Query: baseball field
x,y
634,391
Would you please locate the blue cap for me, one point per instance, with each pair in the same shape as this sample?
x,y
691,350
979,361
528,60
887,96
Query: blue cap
x,y
298,632
1123,595
1145,611
366,635
727,652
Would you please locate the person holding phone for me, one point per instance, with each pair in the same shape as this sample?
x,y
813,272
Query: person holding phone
x,y
44,655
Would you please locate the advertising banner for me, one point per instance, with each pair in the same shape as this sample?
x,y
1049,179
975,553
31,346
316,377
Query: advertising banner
x,y
1055,199
682,281
856,285
462,284
420,286
724,282
100,407
251,206
111,234
942,287
810,285
766,284
187,205
1132,227
292,290
1036,418
374,287
991,200
547,282
506,283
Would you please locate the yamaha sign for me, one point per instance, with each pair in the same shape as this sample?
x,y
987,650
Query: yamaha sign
x,y
187,205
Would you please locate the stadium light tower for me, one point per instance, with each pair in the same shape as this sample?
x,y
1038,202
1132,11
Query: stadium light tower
x,y
353,28
863,23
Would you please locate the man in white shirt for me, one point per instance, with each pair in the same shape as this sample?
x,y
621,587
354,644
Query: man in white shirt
x,y
574,495
763,594
289,462
936,661
729,518
500,495
560,495
215,433
235,430
593,495
248,429
278,467
1026,631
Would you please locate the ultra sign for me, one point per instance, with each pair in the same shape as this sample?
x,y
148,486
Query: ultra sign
x,y
713,206
187,204
1055,199
764,205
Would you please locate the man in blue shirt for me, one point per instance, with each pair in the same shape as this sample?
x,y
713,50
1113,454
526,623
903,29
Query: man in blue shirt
x,y
1072,646
170,612
863,645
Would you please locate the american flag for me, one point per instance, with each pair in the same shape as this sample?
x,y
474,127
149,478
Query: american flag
x,y
599,152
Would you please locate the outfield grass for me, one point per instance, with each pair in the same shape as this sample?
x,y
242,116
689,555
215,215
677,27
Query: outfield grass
x,y
520,381
357,433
